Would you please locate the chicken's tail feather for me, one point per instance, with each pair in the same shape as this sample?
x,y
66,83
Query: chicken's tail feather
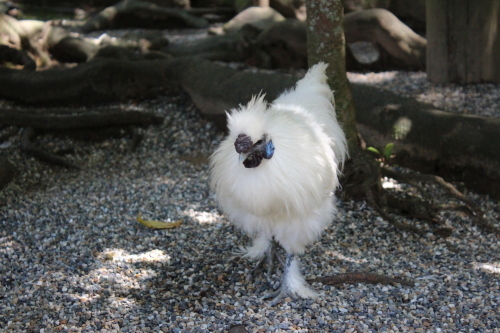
x,y
314,95
316,80
317,73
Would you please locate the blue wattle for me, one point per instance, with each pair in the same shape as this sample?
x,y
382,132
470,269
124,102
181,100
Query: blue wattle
x,y
268,153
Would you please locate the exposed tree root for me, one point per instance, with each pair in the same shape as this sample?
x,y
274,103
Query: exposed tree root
x,y
135,141
10,131
142,15
73,122
360,277
69,118
363,180
403,46
29,147
7,172
414,207
471,208
17,57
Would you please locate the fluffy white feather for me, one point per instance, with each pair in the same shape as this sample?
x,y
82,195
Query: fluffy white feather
x,y
288,197
295,282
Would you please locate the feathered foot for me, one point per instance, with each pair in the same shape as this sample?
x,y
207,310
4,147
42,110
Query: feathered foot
x,y
269,259
257,251
263,250
292,283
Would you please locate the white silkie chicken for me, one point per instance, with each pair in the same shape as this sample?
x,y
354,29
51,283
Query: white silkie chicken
x,y
275,173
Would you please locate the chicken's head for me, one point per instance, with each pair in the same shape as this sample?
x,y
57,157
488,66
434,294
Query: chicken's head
x,y
249,129
252,153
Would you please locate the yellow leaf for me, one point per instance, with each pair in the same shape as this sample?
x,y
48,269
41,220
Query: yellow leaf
x,y
158,224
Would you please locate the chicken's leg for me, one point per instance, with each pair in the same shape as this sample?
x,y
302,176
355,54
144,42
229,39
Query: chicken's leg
x,y
269,259
292,283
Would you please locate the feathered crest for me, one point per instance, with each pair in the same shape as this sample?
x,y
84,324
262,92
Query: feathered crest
x,y
257,100
249,119
256,103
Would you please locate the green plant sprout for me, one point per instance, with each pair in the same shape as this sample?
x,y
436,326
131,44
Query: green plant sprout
x,y
386,156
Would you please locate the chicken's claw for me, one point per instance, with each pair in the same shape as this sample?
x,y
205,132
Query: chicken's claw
x,y
279,295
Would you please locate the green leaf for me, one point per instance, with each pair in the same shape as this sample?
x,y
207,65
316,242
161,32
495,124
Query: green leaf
x,y
388,150
374,150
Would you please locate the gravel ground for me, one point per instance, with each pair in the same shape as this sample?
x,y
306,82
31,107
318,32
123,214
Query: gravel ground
x,y
74,258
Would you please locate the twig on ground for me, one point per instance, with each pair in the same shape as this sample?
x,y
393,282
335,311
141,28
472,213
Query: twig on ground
x,y
360,277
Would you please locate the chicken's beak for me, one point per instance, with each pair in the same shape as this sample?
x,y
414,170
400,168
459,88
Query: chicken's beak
x,y
242,157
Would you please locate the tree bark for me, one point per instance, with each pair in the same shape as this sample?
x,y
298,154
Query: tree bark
x,y
464,41
325,42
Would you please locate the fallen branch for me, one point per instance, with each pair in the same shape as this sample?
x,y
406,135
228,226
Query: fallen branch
x,y
359,277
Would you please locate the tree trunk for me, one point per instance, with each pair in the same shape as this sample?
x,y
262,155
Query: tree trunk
x,y
464,43
325,42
